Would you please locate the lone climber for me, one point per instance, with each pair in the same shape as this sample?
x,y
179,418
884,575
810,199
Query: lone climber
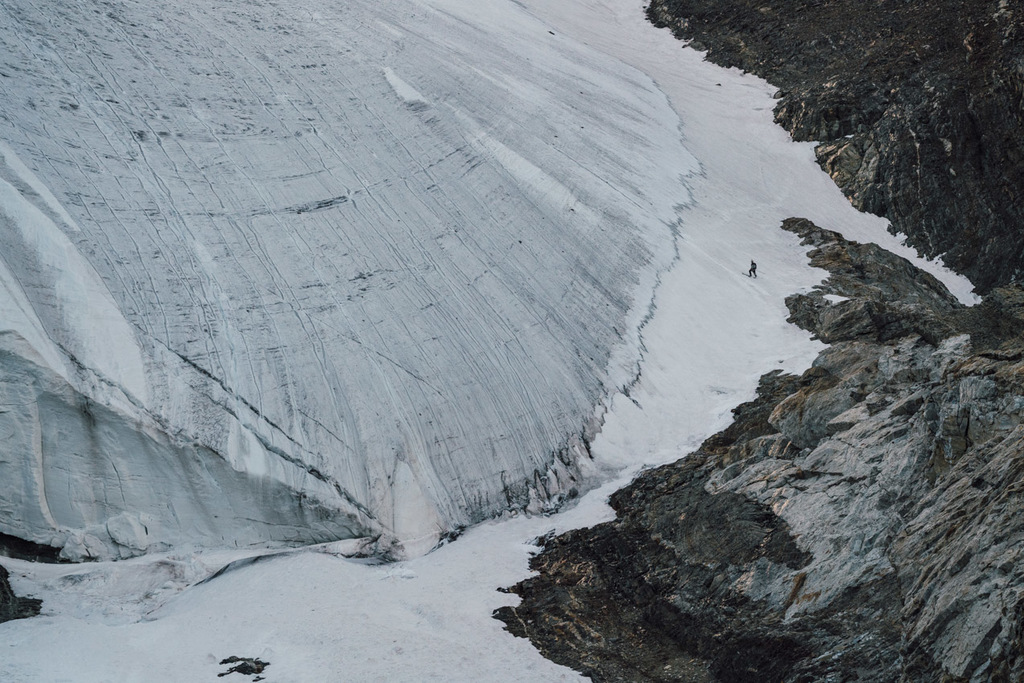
x,y
753,270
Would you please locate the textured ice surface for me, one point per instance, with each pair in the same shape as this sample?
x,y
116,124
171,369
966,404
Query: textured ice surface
x,y
713,333
377,264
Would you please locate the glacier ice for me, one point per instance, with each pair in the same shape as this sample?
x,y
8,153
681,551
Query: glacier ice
x,y
288,272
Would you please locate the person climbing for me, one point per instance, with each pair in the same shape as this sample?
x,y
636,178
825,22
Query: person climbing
x,y
753,270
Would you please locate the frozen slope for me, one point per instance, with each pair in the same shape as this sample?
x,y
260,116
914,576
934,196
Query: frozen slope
x,y
295,271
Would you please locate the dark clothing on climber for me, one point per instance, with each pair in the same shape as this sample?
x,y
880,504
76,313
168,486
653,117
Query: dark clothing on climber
x,y
753,270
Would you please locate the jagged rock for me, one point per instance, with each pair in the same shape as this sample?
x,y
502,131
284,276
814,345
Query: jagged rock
x,y
832,386
860,522
247,666
853,164
881,296
646,575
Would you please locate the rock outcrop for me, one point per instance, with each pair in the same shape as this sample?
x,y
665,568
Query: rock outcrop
x,y
859,522
917,106
13,607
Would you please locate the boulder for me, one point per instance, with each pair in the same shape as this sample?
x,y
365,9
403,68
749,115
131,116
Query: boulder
x,y
13,607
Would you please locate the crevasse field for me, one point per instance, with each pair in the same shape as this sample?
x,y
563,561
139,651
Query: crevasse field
x,y
292,272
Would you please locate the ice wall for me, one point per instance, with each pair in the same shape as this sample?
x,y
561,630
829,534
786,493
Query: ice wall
x,y
376,263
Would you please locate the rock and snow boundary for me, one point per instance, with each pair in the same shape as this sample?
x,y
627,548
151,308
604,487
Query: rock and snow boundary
x,y
317,616
860,520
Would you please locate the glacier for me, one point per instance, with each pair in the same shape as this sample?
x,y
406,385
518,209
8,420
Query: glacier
x,y
296,272
318,613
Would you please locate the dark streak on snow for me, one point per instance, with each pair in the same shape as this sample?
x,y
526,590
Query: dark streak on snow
x,y
271,448
318,205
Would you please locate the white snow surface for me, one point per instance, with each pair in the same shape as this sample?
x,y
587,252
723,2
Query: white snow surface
x,y
667,175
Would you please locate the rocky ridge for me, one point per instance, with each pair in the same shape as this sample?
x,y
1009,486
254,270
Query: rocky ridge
x,y
917,107
859,522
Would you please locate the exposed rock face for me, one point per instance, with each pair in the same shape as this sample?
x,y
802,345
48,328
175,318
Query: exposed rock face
x,y
13,607
860,522
917,106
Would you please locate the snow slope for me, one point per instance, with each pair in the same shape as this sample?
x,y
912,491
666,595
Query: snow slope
x,y
380,262
317,616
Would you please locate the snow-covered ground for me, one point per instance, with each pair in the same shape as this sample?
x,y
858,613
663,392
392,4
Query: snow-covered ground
x,y
696,135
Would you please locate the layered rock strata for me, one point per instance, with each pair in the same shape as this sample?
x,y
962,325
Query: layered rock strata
x,y
859,522
917,106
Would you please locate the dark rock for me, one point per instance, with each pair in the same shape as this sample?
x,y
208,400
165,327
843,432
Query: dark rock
x,y
247,666
887,297
13,607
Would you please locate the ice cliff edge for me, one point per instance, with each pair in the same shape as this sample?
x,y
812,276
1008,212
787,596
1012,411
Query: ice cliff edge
x,y
285,277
